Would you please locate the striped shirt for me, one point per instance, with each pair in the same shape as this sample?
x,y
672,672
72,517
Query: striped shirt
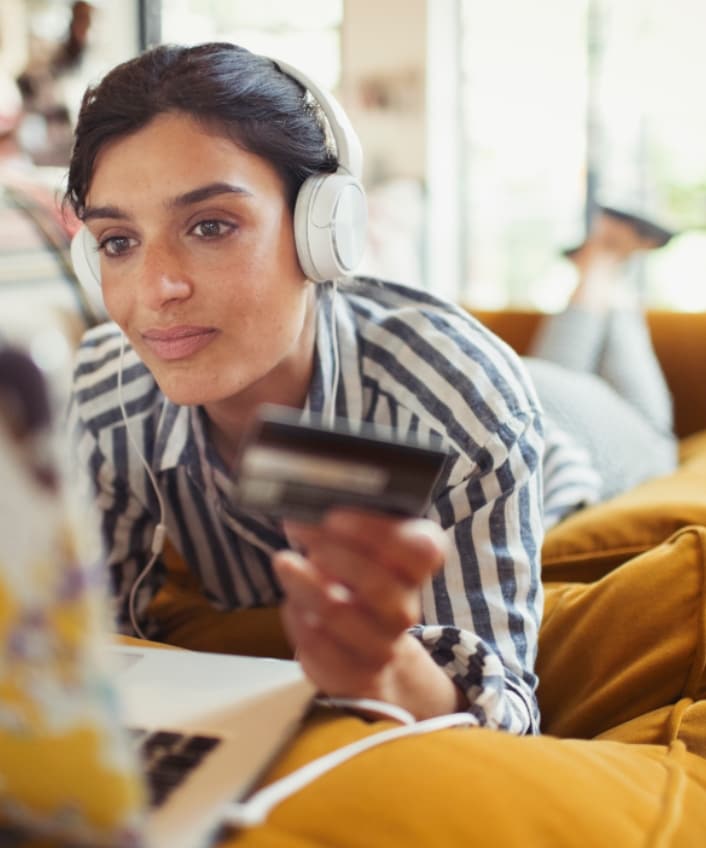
x,y
406,360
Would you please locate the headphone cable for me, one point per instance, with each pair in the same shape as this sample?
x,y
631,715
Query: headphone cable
x,y
336,375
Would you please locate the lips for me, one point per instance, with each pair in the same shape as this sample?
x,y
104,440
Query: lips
x,y
178,342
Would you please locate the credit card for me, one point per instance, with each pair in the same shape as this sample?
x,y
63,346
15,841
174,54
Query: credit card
x,y
289,469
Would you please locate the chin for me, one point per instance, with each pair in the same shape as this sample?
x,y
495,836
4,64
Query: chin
x,y
197,387
186,392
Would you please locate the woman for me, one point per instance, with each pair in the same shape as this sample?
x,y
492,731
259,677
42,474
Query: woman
x,y
186,166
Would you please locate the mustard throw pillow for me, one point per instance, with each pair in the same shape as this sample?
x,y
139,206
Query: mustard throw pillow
x,y
630,643
595,540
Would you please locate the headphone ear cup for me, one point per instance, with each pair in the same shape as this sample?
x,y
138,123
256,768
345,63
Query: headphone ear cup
x,y
330,219
86,261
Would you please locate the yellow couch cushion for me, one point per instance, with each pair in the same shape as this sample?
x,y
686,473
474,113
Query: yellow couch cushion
x,y
483,787
595,540
628,644
692,445
186,618
685,720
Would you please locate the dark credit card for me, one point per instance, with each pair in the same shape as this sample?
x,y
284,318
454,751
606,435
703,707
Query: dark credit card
x,y
294,470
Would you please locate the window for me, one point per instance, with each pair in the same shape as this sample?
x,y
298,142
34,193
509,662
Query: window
x,y
568,102
305,33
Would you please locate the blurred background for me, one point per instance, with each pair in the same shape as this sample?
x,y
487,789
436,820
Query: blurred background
x,y
491,130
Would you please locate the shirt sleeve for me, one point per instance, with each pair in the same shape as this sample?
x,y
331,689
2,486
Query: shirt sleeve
x,y
571,481
481,613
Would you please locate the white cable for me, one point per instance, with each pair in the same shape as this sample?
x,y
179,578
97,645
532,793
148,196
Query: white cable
x,y
333,331
160,531
255,810
368,707
156,549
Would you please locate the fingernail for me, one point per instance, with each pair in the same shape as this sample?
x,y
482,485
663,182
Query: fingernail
x,y
339,593
292,558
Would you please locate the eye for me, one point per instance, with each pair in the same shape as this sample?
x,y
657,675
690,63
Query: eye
x,y
116,245
212,229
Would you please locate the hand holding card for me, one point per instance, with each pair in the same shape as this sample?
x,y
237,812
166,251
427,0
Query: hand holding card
x,y
352,585
352,591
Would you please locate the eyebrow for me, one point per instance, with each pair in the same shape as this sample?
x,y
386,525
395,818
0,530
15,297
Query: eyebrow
x,y
197,195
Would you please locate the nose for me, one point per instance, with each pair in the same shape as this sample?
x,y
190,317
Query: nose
x,y
164,276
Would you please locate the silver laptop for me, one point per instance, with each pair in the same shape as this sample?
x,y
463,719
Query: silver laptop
x,y
207,725
200,728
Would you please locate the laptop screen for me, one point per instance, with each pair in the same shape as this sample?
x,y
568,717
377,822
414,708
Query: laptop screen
x,y
65,767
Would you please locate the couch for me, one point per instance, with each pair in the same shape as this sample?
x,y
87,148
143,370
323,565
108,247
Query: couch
x,y
621,760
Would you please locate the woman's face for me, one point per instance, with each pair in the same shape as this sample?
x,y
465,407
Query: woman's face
x,y
199,267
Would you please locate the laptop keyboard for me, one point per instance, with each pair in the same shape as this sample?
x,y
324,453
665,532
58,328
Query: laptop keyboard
x,y
168,758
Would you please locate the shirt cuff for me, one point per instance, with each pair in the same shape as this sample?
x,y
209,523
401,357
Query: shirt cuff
x,y
480,675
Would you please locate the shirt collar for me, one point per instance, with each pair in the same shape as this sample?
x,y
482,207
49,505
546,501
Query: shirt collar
x,y
174,437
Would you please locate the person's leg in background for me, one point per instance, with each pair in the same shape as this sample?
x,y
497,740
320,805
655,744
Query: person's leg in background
x,y
622,413
603,329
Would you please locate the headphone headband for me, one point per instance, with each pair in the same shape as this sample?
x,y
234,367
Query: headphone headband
x,y
330,215
348,148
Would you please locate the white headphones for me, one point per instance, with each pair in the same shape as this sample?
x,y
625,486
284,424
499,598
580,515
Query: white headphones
x,y
330,214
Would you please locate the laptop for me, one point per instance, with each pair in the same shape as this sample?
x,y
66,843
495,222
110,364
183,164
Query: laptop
x,y
104,743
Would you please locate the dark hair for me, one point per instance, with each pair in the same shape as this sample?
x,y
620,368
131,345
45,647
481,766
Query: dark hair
x,y
230,90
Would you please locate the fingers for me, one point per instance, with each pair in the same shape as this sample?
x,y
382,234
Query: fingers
x,y
318,611
392,603
411,549
352,594
383,561
343,652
